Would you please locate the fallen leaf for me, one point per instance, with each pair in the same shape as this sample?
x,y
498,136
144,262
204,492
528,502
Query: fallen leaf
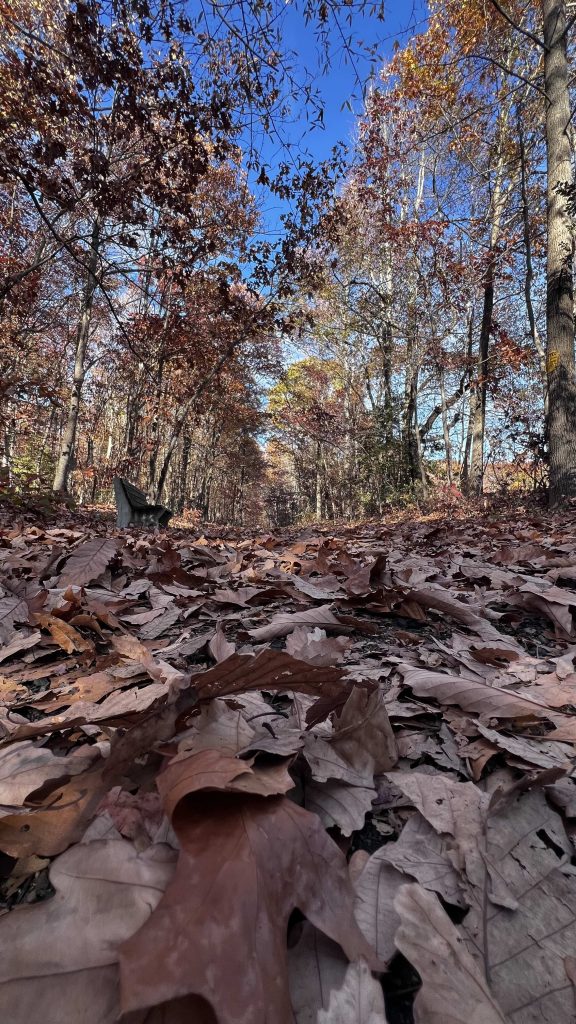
x,y
59,959
12,610
315,647
220,648
270,670
259,858
316,966
88,561
453,987
339,804
472,695
360,1000
25,767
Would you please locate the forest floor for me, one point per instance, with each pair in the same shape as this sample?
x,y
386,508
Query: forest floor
x,y
321,775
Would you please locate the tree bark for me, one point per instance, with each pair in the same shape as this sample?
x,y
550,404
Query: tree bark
x,y
529,271
82,337
318,480
559,298
476,472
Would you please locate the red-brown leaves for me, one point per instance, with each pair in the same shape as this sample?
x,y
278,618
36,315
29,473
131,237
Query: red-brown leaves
x,y
271,670
245,863
88,562
150,693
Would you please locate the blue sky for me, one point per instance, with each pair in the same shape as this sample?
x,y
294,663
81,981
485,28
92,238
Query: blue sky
x,y
342,84
344,80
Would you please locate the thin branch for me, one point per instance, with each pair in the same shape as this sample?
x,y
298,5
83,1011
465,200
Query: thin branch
x,y
523,31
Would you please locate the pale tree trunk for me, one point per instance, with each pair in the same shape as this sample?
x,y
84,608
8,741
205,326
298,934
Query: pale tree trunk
x,y
318,480
476,472
66,456
465,468
445,428
412,440
559,301
529,271
475,481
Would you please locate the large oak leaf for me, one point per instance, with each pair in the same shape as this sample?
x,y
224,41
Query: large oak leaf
x,y
59,961
246,862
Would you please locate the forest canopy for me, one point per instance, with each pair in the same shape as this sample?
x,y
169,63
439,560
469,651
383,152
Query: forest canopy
x,y
401,327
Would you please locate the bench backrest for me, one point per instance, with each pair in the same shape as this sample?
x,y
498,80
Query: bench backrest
x,y
136,498
134,508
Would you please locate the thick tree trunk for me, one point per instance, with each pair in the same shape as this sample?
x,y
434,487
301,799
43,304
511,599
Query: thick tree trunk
x,y
82,337
559,301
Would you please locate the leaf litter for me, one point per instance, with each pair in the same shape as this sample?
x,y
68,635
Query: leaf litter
x,y
261,778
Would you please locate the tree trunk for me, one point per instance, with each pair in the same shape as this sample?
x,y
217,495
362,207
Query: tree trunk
x,y
82,337
465,468
184,467
476,472
529,271
318,480
559,299
445,429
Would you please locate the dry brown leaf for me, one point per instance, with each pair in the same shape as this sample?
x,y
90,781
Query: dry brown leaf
x,y
259,858
216,770
339,804
88,561
376,887
472,695
68,638
360,1000
454,990
363,731
324,617
59,959
314,646
12,610
25,767
220,648
316,965
270,670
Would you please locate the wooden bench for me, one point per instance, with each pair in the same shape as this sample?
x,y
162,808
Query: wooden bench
x,y
134,509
